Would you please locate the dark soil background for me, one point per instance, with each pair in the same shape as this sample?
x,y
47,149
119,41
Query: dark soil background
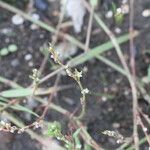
x,y
103,113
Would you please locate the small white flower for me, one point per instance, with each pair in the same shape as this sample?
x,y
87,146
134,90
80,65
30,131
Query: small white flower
x,y
68,72
7,125
3,123
145,129
119,10
52,56
36,125
67,66
13,129
78,74
85,91
21,130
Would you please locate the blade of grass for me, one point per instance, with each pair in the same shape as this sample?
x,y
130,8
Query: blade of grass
x,y
3,99
20,92
23,92
89,55
142,141
97,50
19,108
131,75
112,65
108,96
9,82
118,68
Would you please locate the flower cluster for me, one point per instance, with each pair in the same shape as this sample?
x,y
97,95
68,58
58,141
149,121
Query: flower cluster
x,y
75,74
7,127
54,130
4,126
34,76
115,134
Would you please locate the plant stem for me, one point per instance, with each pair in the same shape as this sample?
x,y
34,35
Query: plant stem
x,y
133,81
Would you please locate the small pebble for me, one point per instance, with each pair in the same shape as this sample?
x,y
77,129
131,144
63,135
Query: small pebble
x,y
7,40
69,101
104,98
118,80
124,1
146,13
14,63
126,92
109,14
110,109
6,31
28,57
35,16
114,88
41,36
34,27
41,5
30,64
117,30
116,125
105,89
85,69
17,20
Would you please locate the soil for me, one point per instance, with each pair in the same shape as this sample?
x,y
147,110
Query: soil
x,y
112,110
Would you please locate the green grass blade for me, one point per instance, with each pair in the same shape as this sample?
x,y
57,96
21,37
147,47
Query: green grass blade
x,y
19,108
9,82
112,65
142,141
3,99
20,92
97,50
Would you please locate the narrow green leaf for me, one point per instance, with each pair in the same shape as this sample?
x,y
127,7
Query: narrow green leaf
x,y
87,147
97,50
24,109
19,108
3,99
77,140
20,92
9,82
94,2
